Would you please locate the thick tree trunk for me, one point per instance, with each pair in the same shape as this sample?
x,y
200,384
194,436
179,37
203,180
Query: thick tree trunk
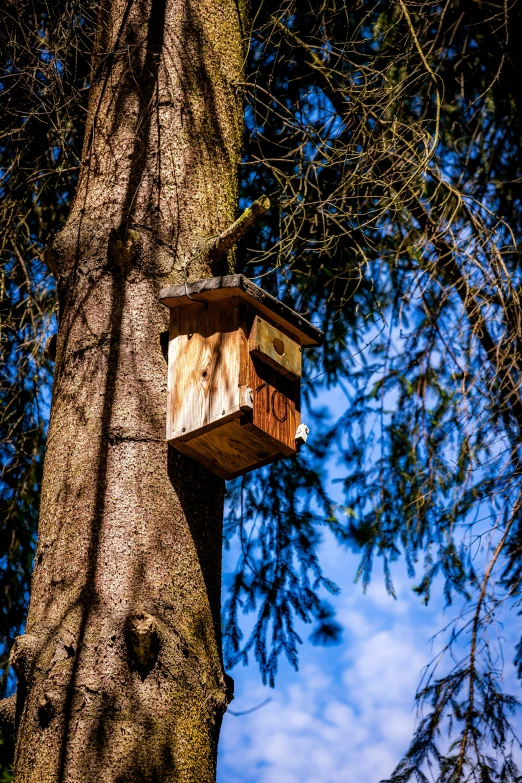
x,y
120,670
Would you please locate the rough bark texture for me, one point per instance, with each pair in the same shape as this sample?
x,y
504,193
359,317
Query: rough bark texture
x,y
120,670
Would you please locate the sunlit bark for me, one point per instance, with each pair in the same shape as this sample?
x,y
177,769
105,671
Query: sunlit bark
x,y
120,671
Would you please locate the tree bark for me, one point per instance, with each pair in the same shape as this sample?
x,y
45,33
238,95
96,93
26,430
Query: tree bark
x,y
120,671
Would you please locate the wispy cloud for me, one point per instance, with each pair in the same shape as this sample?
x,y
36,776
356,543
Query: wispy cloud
x,y
348,714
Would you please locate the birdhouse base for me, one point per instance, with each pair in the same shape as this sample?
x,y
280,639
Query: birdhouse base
x,y
234,448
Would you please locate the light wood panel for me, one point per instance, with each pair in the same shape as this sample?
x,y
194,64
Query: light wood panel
x,y
233,449
207,354
273,346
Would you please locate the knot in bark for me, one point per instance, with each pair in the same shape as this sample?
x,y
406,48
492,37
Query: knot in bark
x,y
23,657
124,245
229,688
46,709
142,635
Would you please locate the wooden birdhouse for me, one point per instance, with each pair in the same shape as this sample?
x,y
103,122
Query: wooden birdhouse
x,y
234,372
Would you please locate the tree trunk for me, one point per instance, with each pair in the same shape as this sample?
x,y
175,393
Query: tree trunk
x,y
120,670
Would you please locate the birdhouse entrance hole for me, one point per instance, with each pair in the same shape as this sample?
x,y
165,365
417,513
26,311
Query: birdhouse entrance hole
x,y
234,374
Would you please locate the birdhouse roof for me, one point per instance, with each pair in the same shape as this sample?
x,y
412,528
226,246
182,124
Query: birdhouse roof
x,y
211,288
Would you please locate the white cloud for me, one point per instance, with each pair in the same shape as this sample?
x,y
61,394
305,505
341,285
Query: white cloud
x,y
348,714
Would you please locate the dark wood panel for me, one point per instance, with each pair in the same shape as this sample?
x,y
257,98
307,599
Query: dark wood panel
x,y
277,409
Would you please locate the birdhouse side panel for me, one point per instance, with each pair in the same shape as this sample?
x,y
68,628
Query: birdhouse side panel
x,y
277,410
207,351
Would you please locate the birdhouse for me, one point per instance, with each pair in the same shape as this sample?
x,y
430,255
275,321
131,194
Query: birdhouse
x,y
234,373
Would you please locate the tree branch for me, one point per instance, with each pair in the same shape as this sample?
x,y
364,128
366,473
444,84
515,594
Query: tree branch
x,y
316,64
231,235
8,713
509,387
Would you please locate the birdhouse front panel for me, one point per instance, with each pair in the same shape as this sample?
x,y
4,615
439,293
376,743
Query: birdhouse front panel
x,y
234,374
275,347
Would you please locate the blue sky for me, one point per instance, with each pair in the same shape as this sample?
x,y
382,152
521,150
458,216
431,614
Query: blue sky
x,y
349,713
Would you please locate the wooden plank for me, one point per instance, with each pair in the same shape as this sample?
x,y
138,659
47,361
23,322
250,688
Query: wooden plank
x,y
213,467
213,288
273,346
231,450
206,358
246,399
277,410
